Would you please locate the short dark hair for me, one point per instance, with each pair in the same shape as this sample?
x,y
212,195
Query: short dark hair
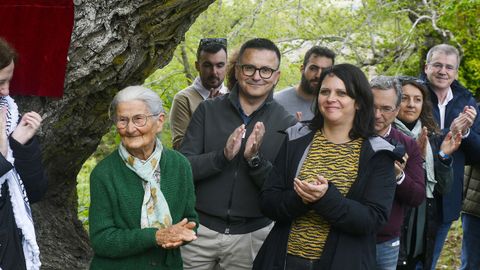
x,y
211,45
320,51
358,88
261,44
7,54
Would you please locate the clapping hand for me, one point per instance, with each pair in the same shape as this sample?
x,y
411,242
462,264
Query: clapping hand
x,y
254,141
252,146
422,142
464,120
234,142
451,143
176,235
311,192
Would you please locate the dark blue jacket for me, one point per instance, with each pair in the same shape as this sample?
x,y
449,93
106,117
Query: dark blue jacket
x,y
469,150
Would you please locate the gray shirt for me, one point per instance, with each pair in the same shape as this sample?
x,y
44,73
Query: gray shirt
x,y
293,103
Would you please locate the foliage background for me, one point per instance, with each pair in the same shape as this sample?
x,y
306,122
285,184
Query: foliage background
x,y
388,37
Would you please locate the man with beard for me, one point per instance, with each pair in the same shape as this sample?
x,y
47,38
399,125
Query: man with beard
x,y
211,66
298,100
231,143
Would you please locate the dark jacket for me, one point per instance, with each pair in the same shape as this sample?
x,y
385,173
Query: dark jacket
x,y
469,149
28,164
471,204
354,219
416,245
411,192
227,191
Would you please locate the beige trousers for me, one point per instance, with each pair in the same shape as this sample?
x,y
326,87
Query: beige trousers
x,y
213,250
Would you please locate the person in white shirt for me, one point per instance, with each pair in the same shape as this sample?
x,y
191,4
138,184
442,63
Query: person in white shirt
x,y
454,109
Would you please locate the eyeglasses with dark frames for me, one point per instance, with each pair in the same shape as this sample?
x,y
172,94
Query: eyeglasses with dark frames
x,y
265,72
139,120
212,41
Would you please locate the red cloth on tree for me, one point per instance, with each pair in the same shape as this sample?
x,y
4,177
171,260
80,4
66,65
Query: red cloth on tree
x,y
40,31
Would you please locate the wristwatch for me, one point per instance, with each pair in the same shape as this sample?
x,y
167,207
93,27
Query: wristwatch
x,y
443,155
254,161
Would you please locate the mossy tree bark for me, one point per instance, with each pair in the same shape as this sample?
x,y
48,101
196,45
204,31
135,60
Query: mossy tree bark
x,y
115,43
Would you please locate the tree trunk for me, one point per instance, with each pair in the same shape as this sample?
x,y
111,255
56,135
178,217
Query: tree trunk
x,y
115,43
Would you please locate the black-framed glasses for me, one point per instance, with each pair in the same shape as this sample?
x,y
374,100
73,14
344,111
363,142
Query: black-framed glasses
x,y
265,72
139,120
204,42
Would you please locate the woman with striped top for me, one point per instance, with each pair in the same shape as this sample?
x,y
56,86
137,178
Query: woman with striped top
x,y
332,184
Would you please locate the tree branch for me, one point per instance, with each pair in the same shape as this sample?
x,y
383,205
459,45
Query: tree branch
x,y
186,65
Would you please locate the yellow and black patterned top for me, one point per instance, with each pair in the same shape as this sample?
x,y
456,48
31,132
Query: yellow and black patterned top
x,y
338,163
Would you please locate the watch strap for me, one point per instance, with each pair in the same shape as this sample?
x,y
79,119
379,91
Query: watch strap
x,y
443,155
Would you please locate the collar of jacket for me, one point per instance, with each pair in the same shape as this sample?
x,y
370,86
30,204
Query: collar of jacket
x,y
458,89
302,129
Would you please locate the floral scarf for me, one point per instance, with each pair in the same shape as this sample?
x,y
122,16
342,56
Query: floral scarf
x,y
155,211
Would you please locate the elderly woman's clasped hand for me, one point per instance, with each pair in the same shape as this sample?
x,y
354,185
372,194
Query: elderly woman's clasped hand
x,y
176,235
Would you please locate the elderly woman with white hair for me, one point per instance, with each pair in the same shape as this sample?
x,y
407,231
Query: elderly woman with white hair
x,y
142,195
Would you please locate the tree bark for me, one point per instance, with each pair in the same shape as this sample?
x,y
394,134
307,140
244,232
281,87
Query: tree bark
x,y
186,66
115,43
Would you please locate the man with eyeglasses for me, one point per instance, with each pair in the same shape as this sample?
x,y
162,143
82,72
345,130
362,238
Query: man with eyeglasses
x,y
298,100
410,191
231,143
211,65
454,109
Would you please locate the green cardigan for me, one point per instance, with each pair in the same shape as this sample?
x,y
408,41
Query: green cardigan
x,y
116,195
